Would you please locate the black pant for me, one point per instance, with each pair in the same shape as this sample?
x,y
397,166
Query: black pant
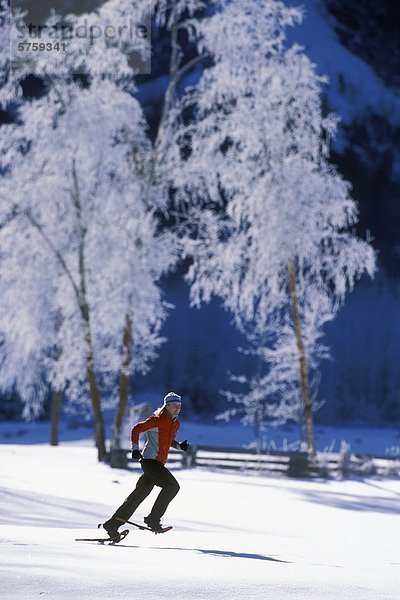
x,y
154,473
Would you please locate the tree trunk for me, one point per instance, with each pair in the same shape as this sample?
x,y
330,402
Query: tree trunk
x,y
94,392
85,314
258,413
98,416
257,430
55,416
123,382
305,387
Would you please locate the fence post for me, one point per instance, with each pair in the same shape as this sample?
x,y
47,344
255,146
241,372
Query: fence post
x,y
344,462
118,458
189,458
299,465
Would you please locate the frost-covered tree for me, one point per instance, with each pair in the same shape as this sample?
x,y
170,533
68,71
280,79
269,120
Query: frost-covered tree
x,y
78,170
8,87
259,150
179,19
273,393
68,133
26,316
176,18
80,187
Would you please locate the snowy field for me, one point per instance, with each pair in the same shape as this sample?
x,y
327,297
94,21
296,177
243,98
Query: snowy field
x,y
234,537
363,440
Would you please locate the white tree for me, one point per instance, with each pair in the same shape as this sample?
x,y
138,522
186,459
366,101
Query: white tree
x,y
9,89
28,322
59,130
80,187
273,393
259,150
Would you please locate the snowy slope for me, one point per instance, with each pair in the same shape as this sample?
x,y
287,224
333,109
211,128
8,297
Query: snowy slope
x,y
234,536
353,86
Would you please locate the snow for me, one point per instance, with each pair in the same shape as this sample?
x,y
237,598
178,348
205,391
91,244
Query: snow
x,y
378,441
353,85
235,536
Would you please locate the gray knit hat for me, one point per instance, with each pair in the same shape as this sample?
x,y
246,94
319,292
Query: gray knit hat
x,y
172,397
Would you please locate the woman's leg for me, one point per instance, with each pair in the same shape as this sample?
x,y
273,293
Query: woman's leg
x,y
128,507
159,475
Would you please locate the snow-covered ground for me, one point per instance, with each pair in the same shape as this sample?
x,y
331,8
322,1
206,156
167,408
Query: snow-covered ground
x,y
234,536
377,441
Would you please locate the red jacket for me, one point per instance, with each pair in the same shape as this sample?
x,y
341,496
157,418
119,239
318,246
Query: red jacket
x,y
160,433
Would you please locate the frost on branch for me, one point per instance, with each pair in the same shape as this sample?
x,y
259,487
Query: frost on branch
x,y
77,189
259,149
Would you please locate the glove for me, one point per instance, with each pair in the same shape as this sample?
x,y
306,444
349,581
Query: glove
x,y
184,445
136,455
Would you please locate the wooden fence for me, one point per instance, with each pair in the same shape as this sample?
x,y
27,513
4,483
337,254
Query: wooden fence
x,y
273,462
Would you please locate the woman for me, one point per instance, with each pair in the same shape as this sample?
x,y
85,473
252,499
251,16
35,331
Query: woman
x,y
160,430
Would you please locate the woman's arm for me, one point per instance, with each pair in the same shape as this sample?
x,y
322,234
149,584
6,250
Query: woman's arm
x,y
139,428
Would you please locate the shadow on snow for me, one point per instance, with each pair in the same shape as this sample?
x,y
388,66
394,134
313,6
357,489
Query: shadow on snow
x,y
222,553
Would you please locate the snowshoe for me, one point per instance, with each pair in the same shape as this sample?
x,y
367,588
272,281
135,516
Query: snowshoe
x,y
111,527
154,524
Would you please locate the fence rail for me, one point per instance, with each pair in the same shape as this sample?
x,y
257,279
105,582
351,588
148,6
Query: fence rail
x,y
273,462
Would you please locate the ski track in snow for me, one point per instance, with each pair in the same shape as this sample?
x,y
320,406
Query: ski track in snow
x,y
235,536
